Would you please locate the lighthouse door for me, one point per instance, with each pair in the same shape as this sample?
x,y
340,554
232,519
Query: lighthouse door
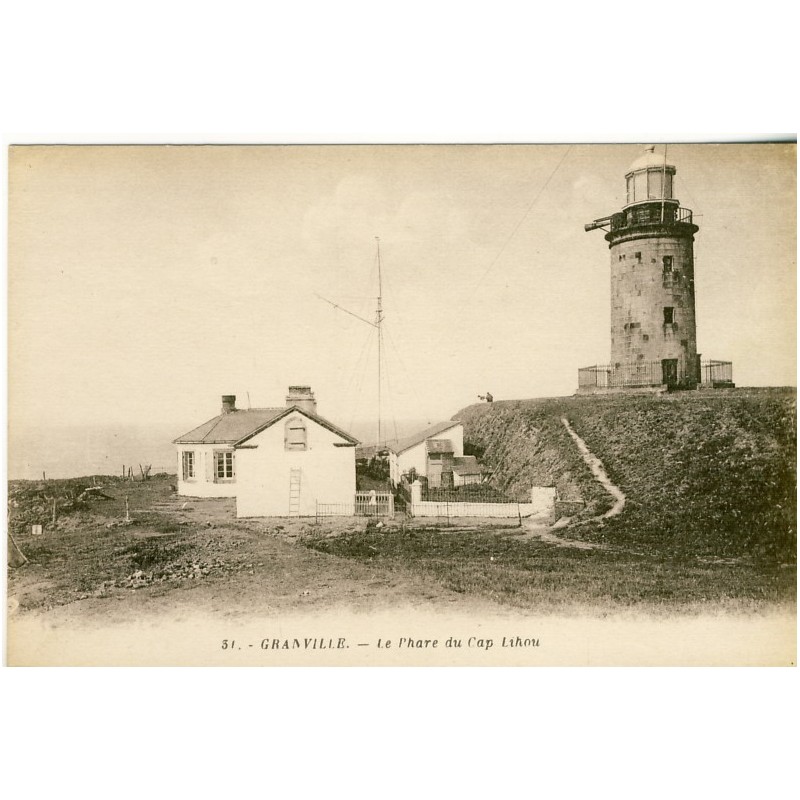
x,y
669,371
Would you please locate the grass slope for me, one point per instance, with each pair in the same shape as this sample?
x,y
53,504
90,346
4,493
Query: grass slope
x,y
708,473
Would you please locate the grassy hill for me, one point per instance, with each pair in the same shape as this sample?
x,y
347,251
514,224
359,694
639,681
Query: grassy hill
x,y
705,473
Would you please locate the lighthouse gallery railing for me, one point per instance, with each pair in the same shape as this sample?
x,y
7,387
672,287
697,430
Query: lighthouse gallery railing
x,y
651,214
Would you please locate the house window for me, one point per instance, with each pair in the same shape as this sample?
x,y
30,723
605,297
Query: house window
x,y
295,434
188,465
223,466
669,315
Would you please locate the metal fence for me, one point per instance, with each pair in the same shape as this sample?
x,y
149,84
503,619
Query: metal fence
x,y
651,214
651,373
716,372
468,493
608,376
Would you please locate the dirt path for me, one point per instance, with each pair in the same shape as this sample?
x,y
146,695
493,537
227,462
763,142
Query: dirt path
x,y
599,472
545,533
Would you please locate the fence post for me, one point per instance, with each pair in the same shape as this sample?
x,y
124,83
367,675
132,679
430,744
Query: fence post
x,y
416,495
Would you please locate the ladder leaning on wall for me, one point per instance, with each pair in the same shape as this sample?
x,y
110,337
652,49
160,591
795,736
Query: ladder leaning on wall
x,y
294,492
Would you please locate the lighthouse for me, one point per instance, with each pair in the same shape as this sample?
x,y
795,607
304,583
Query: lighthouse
x,y
653,325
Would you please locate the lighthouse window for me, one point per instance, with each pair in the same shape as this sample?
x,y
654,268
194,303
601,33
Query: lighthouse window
x,y
669,315
640,186
638,257
667,263
654,185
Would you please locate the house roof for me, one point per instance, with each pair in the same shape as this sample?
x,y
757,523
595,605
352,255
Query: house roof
x,y
418,438
238,426
466,465
296,409
229,428
439,446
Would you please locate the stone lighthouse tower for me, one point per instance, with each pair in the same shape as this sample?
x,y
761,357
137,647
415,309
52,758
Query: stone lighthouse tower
x,y
653,329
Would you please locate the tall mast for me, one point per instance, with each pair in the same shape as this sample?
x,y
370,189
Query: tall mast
x,y
378,321
377,324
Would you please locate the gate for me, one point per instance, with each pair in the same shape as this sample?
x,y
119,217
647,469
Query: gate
x,y
374,504
365,504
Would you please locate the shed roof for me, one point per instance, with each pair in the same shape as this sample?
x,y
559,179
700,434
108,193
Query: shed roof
x,y
419,438
466,465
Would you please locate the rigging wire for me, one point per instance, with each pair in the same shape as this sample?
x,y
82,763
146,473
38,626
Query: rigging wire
x,y
410,381
351,384
405,369
356,405
697,243
522,219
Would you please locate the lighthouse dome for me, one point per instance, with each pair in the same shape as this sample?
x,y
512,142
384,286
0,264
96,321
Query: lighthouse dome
x,y
649,160
649,178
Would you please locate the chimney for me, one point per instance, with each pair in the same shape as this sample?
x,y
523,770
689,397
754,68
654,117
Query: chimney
x,y
228,403
302,397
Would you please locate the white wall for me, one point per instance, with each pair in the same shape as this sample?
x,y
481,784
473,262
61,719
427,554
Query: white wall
x,y
327,473
203,485
542,506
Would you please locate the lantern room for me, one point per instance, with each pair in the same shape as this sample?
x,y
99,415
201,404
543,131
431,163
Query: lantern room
x,y
649,178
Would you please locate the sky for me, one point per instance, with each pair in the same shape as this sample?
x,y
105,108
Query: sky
x,y
145,282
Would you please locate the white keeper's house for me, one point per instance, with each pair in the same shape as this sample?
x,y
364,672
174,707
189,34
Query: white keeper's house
x,y
276,462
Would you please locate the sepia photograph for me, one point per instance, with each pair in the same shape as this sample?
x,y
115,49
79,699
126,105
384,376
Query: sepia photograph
x,y
402,405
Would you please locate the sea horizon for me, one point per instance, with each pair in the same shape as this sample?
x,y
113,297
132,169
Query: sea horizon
x,y
76,451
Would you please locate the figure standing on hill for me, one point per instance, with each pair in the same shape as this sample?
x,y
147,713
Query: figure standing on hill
x,y
487,397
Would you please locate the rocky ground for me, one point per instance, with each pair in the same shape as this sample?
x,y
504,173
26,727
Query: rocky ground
x,y
166,553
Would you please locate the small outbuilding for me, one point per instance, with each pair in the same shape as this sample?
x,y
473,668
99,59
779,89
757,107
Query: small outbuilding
x,y
431,453
466,470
